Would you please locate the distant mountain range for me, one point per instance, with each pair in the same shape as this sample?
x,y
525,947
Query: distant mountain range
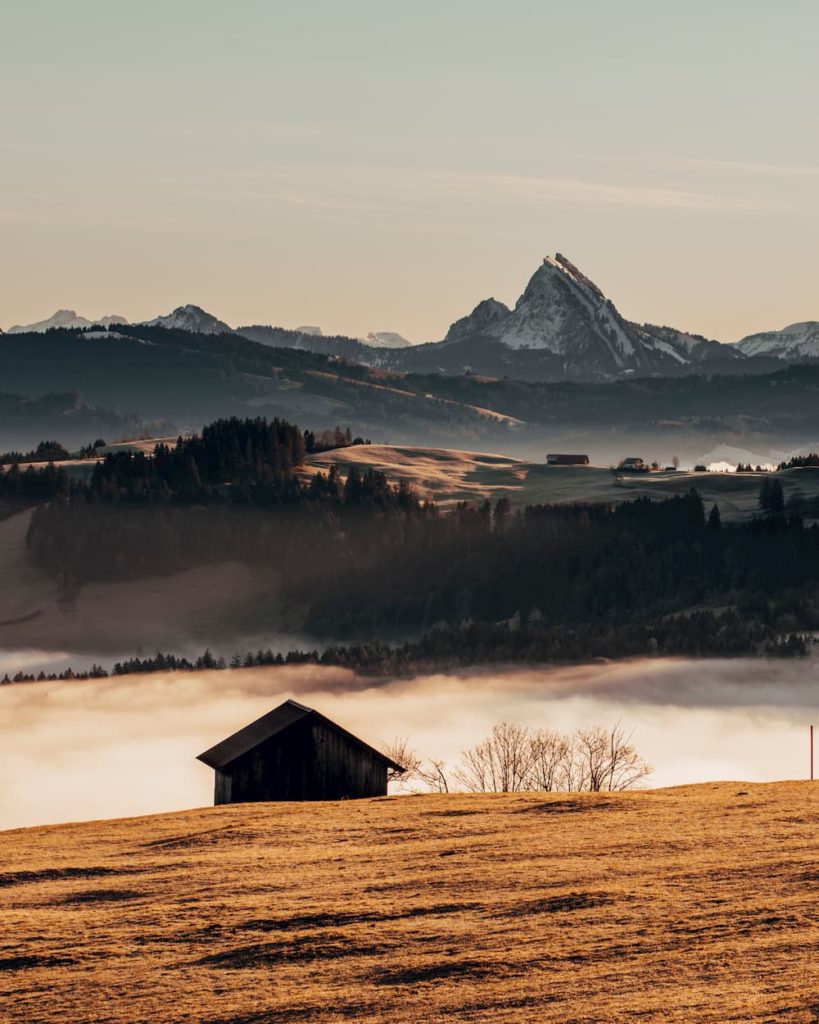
x,y
65,318
195,319
563,327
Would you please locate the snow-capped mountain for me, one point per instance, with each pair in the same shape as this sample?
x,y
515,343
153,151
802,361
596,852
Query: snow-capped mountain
x,y
385,339
794,343
190,318
65,318
563,326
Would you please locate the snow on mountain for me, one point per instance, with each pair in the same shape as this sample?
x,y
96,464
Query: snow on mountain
x,y
798,341
689,348
66,318
385,339
564,327
566,317
190,318
483,317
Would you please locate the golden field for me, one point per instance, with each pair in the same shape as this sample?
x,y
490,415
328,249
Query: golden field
x,y
688,904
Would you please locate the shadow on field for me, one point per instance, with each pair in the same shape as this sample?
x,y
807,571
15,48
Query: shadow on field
x,y
99,896
435,972
559,904
571,807
25,963
54,874
305,922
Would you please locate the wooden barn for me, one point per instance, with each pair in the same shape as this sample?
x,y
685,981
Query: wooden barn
x,y
295,753
559,459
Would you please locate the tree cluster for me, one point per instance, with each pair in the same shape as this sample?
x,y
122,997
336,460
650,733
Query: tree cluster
x,y
800,461
514,758
46,451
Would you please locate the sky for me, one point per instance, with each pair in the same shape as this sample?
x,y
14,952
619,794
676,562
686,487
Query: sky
x,y
376,165
693,721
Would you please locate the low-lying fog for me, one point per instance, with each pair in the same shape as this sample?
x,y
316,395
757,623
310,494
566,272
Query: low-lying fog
x,y
125,746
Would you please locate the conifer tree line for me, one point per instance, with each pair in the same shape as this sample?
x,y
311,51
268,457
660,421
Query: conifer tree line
x,y
702,634
242,460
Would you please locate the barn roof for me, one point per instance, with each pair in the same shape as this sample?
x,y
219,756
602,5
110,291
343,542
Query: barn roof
x,y
276,721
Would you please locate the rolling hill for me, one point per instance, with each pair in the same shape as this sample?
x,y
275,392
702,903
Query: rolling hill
x,y
667,906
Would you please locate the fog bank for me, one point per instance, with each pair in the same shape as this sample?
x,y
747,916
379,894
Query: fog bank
x,y
127,745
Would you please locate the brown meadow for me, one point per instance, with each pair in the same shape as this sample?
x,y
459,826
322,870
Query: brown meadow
x,y
695,903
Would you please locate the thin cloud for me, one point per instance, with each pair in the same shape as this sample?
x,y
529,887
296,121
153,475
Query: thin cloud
x,y
569,190
368,186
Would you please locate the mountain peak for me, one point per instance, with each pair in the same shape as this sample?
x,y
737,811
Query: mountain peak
x,y
190,318
565,322
796,341
65,318
386,339
487,313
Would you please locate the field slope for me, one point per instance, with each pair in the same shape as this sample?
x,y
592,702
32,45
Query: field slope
x,y
450,475
688,904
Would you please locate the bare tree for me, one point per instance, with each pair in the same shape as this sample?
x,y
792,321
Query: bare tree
x,y
513,758
607,760
501,763
551,757
433,774
399,750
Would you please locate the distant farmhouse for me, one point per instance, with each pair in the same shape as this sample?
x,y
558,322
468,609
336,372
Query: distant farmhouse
x,y
633,465
567,460
295,753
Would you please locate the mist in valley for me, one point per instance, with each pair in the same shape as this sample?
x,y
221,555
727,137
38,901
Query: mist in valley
x,y
127,746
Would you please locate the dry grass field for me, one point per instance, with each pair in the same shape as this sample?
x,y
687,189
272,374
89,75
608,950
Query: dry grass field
x,y
693,904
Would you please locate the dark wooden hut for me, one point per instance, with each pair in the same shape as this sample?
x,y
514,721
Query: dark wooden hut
x,y
559,459
295,753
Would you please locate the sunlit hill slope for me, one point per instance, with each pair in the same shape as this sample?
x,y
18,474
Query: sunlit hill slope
x,y
689,904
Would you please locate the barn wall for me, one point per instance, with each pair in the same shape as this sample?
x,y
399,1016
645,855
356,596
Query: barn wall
x,y
222,789
343,769
308,761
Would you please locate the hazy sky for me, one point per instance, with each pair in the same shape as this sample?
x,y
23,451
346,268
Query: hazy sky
x,y
384,166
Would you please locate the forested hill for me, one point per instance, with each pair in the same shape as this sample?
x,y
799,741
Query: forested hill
x,y
366,559
26,419
186,379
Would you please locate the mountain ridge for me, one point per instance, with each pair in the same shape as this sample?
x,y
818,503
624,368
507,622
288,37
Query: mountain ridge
x,y
562,327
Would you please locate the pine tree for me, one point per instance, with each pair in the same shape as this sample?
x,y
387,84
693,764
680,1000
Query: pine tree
x,y
776,499
714,518
764,500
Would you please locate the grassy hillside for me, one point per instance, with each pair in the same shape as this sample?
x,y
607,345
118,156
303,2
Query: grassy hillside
x,y
689,904
447,475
